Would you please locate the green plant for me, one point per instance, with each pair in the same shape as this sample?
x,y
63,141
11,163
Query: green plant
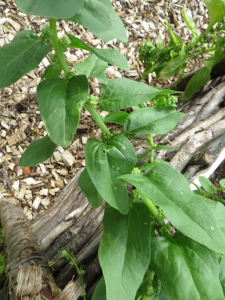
x,y
166,61
139,256
69,257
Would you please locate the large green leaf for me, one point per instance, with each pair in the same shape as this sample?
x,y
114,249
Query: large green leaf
x,y
125,250
193,269
218,210
55,9
196,82
111,56
173,66
89,189
21,56
222,273
58,101
203,75
93,67
216,10
117,117
100,291
99,17
123,93
152,120
187,211
2,266
37,152
105,162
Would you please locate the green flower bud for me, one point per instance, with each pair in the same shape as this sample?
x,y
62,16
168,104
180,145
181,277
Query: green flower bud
x,y
46,33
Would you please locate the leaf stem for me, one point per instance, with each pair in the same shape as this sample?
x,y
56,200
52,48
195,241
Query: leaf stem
x,y
57,47
96,117
153,210
152,151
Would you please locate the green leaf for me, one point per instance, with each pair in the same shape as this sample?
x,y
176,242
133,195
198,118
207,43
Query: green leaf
x,y
152,120
55,9
222,183
37,152
58,101
93,67
2,266
105,162
189,22
216,11
89,189
177,40
100,18
217,57
181,72
52,71
117,117
206,184
166,147
137,138
193,269
196,82
21,56
218,210
187,212
121,93
222,273
100,291
159,42
173,66
143,156
111,56
125,250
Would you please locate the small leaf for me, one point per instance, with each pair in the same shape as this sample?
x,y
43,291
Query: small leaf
x,y
111,56
125,250
181,72
21,56
173,66
50,8
216,11
58,101
52,71
121,93
98,15
166,147
186,211
189,22
37,152
152,120
89,189
2,266
118,117
100,291
93,67
206,184
143,156
196,82
193,269
105,162
222,183
159,42
177,40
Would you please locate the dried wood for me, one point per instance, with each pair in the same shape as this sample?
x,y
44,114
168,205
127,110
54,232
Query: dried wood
x,y
187,151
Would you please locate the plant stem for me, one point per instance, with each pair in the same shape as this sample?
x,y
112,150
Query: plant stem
x,y
57,47
149,284
96,117
153,210
151,143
